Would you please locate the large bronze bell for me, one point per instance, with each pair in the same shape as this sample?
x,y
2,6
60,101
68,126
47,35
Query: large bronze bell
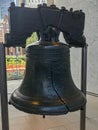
x,y
48,88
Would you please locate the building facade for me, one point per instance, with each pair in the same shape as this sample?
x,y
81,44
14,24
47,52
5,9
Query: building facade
x,y
4,26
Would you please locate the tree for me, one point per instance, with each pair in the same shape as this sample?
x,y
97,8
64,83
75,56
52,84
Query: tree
x,y
33,38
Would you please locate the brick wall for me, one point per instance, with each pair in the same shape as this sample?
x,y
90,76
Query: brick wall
x,y
90,7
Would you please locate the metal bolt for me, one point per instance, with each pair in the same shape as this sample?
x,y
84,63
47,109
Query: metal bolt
x,y
22,4
71,9
12,4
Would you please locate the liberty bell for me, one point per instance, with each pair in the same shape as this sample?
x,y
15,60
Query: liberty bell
x,y
48,87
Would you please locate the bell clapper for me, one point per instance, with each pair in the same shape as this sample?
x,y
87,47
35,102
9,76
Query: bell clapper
x,y
9,103
44,116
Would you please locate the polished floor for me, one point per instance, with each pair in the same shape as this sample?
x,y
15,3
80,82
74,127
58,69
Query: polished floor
x,y
21,121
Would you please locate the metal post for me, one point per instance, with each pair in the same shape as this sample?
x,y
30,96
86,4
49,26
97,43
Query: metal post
x,y
3,90
83,87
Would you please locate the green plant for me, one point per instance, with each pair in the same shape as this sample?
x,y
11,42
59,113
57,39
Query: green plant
x,y
15,60
15,67
33,38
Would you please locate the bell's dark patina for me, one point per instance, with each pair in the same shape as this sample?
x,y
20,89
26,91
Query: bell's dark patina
x,y
48,88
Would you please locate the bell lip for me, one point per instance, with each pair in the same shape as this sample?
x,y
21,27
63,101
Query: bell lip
x,y
46,44
42,110
35,111
32,109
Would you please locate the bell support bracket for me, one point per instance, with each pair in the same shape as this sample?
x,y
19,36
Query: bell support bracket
x,y
3,89
24,21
